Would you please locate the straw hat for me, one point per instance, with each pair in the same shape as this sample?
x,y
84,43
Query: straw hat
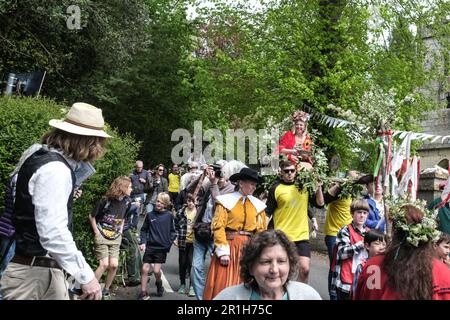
x,y
83,119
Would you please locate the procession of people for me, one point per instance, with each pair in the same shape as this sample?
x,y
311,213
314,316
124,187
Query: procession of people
x,y
259,247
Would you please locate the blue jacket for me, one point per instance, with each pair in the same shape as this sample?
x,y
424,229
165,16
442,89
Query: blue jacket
x,y
374,215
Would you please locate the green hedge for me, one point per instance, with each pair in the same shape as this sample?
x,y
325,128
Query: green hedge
x,y
24,120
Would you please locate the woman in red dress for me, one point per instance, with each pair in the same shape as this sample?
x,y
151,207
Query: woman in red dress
x,y
296,143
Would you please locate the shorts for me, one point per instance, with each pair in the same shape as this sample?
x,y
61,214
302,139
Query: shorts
x,y
154,256
303,248
105,248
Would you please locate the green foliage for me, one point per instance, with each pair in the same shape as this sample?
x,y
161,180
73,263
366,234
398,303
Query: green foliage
x,y
262,65
22,123
350,190
24,120
152,70
152,90
34,36
416,233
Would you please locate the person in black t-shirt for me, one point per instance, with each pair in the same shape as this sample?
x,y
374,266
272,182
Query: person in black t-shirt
x,y
107,221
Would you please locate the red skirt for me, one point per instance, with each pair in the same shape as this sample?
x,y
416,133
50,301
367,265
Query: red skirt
x,y
221,277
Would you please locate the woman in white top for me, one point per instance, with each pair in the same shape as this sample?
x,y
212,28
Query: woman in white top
x,y
268,262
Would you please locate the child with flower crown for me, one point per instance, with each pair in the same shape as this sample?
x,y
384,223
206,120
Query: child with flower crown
x,y
409,269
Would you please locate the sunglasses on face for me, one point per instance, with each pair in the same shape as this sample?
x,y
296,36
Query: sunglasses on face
x,y
288,170
160,170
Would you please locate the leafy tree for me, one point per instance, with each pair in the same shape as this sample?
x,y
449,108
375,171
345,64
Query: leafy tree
x,y
34,35
150,96
318,53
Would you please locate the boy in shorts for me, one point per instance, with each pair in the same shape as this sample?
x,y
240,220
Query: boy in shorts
x,y
157,236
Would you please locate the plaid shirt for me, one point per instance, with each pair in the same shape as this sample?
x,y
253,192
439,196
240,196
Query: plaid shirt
x,y
181,224
181,227
345,250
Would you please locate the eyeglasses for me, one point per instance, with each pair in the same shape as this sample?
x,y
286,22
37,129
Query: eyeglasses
x,y
194,167
160,170
288,170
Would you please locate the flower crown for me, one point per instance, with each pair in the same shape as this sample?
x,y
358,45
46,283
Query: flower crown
x,y
300,116
415,220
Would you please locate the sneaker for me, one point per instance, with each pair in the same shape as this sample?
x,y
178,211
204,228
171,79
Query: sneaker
x,y
191,292
106,295
182,289
143,295
159,288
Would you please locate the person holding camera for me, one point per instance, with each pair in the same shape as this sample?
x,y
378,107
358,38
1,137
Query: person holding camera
x,y
157,185
218,184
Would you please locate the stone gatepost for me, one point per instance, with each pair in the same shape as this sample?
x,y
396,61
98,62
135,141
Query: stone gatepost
x,y
429,185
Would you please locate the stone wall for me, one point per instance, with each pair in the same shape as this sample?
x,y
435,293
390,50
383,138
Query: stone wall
x,y
437,122
429,186
432,155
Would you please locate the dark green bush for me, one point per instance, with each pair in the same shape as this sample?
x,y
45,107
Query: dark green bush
x,y
24,120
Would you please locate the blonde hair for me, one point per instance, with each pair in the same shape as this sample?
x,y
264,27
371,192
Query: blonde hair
x,y
118,188
359,204
164,198
75,146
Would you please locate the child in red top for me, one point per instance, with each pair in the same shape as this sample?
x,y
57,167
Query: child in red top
x,y
442,248
375,244
408,270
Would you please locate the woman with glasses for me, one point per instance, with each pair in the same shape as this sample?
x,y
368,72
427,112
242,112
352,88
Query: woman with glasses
x,y
158,184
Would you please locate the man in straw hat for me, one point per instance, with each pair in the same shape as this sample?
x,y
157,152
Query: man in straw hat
x,y
43,210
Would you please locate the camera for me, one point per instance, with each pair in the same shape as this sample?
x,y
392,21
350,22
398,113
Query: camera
x,y
217,170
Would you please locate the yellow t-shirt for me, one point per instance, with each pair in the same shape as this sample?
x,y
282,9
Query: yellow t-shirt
x,y
174,182
338,216
291,214
190,217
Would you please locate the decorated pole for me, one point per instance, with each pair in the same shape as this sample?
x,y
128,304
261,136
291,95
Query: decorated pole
x,y
383,167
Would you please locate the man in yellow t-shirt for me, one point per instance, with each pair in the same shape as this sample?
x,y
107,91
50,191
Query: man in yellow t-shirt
x,y
288,208
174,183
